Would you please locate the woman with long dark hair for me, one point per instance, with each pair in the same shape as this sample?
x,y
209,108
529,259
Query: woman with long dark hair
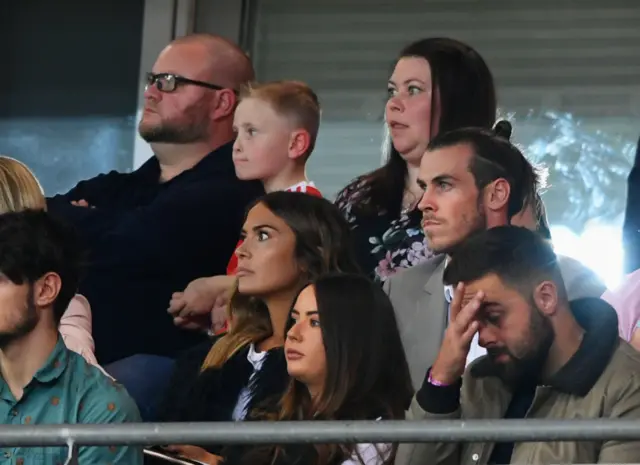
x,y
437,85
346,361
289,238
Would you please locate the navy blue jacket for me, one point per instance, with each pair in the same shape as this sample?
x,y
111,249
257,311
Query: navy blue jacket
x,y
147,240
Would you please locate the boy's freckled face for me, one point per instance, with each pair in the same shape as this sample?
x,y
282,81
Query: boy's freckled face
x,y
261,149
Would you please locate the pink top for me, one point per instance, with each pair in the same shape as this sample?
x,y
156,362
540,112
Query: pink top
x,y
75,328
626,301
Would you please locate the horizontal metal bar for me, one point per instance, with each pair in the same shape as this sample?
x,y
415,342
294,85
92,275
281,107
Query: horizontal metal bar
x,y
250,432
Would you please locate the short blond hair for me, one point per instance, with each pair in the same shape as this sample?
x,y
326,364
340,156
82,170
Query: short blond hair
x,y
19,187
291,99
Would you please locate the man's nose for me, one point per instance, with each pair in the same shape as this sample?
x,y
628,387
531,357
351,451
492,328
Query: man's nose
x,y
486,335
427,202
151,92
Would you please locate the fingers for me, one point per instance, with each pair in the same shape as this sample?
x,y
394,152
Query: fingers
x,y
176,306
461,314
468,313
470,332
221,301
80,203
456,302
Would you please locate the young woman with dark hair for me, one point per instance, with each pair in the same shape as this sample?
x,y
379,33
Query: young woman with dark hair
x,y
346,361
289,238
437,85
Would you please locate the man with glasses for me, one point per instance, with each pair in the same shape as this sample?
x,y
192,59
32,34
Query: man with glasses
x,y
177,217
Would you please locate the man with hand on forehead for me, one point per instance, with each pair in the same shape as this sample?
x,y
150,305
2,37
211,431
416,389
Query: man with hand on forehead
x,y
473,179
547,358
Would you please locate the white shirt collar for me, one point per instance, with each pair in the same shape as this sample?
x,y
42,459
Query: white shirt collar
x,y
448,289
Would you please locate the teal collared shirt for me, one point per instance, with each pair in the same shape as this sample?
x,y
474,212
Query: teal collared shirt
x,y
67,390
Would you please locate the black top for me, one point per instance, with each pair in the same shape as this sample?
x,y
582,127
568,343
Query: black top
x,y
211,395
517,410
384,243
147,240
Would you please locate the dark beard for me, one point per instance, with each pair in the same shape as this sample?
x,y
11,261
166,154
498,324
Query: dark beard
x,y
192,127
171,135
24,326
527,368
479,226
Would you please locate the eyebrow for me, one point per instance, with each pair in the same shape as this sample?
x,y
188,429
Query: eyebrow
x,y
408,81
261,226
243,125
488,306
441,177
309,313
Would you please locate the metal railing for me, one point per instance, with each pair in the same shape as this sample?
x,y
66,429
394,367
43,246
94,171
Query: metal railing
x,y
146,434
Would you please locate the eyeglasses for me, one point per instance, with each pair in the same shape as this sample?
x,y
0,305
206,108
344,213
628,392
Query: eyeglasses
x,y
167,82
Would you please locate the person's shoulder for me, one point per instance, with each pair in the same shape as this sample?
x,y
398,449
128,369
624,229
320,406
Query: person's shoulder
x,y
196,354
354,188
621,381
218,190
216,173
416,273
580,280
102,399
312,190
625,360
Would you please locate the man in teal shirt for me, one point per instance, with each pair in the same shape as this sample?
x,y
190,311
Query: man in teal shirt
x,y
43,382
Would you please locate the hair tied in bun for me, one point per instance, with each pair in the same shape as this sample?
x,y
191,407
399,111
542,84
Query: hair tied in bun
x,y
503,129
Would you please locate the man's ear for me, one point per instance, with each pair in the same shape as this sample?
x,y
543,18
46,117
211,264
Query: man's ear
x,y
46,289
545,295
496,194
223,104
299,143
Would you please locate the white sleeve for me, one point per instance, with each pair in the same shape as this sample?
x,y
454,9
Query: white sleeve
x,y
370,454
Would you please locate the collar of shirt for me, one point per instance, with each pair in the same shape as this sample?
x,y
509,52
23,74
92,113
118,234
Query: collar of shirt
x,y
50,371
55,364
305,186
448,289
219,160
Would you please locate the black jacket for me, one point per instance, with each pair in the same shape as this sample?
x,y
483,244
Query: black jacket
x,y
195,396
147,240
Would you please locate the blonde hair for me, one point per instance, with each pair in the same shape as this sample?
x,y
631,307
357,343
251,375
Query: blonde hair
x,y
19,188
249,322
291,99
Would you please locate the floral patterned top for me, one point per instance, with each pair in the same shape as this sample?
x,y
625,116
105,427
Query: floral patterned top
x,y
384,245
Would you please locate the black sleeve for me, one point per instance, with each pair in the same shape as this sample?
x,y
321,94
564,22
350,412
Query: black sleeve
x,y
96,191
439,399
185,373
176,230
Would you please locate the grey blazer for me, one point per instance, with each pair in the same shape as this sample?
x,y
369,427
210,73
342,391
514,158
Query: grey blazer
x,y
417,295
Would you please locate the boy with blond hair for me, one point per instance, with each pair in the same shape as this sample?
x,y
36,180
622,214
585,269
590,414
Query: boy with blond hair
x,y
277,125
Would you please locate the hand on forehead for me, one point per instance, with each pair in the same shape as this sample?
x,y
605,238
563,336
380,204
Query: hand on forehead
x,y
469,293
